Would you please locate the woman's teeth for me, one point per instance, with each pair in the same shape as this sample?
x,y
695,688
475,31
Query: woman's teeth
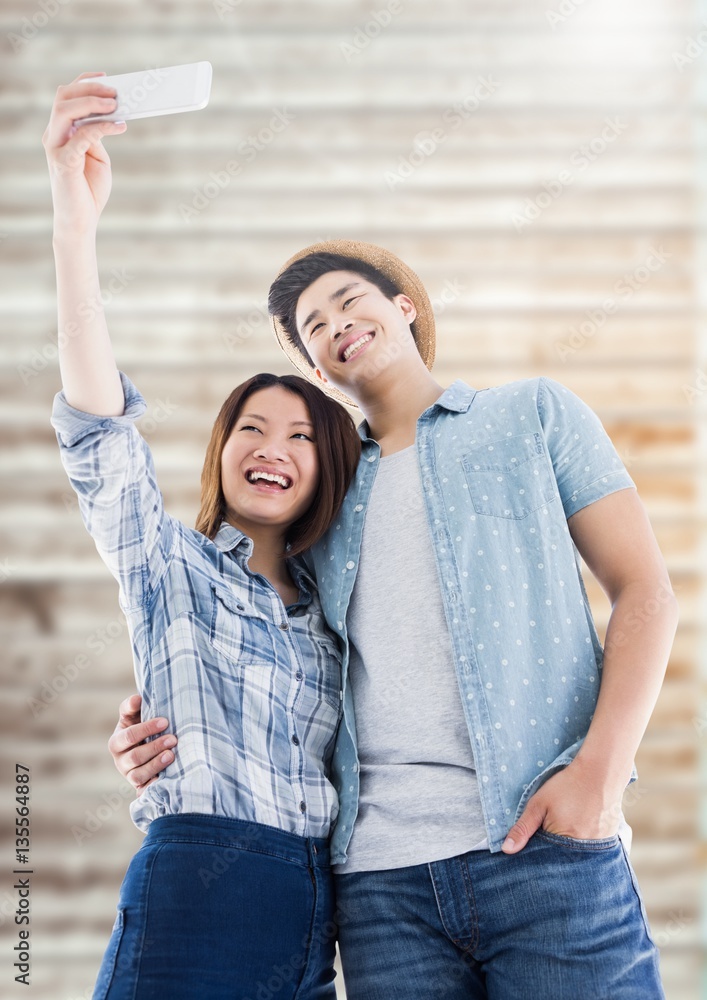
x,y
271,477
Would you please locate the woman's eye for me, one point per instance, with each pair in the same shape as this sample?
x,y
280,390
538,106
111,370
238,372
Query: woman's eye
x,y
351,300
249,427
314,329
305,437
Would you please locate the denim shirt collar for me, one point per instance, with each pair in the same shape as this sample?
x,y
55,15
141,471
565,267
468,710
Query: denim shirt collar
x,y
457,399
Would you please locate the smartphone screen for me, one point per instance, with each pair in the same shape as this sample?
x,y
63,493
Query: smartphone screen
x,y
164,91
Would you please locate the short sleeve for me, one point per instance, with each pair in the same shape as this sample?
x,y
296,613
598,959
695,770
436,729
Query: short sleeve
x,y
586,464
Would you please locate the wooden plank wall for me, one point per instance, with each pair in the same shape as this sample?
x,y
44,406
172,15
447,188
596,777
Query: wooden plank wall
x,y
539,164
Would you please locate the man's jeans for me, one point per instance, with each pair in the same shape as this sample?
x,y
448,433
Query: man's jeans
x,y
561,920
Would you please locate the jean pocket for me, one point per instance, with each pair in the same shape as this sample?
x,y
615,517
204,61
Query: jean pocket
x,y
107,969
510,478
602,844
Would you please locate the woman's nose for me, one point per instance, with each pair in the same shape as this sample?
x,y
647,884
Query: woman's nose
x,y
271,450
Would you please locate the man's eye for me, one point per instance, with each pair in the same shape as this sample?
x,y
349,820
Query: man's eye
x,y
351,300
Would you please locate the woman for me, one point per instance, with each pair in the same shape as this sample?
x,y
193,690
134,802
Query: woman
x,y
230,894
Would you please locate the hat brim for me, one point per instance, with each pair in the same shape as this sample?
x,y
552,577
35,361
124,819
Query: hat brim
x,y
402,276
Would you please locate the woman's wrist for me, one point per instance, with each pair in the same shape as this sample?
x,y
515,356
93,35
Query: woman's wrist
x,y
72,237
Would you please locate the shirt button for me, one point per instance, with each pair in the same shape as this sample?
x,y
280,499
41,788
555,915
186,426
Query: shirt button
x,y
358,508
284,626
350,565
299,675
302,807
295,740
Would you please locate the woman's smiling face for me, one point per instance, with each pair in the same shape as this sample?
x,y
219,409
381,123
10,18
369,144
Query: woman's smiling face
x,y
270,461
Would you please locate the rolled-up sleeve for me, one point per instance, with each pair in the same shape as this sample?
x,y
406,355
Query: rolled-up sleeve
x,y
587,466
111,469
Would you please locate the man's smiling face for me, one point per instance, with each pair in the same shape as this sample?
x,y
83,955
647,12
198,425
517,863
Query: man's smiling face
x,y
348,327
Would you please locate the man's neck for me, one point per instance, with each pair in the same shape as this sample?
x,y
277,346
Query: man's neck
x,y
395,402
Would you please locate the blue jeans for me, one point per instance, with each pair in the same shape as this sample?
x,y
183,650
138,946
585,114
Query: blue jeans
x,y
222,909
560,920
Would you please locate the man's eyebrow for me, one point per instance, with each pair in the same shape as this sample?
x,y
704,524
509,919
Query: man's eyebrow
x,y
332,298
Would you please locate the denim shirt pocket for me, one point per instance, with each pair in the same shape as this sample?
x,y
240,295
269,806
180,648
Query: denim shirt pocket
x,y
331,681
236,631
510,478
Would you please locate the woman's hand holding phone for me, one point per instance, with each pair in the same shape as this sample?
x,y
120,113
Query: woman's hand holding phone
x,y
80,175
79,166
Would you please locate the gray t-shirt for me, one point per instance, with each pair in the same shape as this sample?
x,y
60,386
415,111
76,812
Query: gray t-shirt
x,y
419,799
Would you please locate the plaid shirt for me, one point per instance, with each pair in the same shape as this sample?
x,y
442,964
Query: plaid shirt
x,y
251,688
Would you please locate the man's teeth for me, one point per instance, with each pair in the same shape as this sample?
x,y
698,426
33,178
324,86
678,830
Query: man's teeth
x,y
352,348
271,478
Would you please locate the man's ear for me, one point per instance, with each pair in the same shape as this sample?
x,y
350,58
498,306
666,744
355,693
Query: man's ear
x,y
407,306
320,376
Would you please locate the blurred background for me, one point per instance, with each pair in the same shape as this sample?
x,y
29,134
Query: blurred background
x,y
540,163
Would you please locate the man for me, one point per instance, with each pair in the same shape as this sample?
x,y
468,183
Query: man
x,y
480,764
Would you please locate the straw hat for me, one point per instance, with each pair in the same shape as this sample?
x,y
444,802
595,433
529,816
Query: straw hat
x,y
404,279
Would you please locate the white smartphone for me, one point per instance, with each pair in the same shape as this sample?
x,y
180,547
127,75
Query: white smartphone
x,y
150,92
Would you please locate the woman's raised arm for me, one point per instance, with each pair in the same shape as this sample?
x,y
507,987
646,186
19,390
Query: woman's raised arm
x,y
80,174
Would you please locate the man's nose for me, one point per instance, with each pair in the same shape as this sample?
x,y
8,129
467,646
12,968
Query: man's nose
x,y
342,326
